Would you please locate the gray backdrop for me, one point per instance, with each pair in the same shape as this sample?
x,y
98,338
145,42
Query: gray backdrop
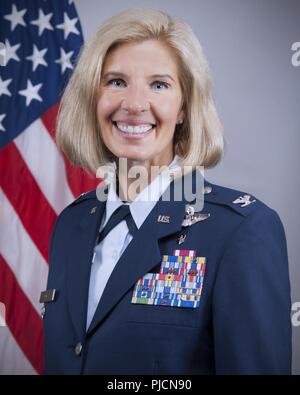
x,y
257,92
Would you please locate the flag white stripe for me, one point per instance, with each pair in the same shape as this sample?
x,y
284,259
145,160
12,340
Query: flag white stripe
x,y
12,359
21,254
46,164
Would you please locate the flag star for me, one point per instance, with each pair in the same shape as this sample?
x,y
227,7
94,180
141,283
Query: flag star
x,y
43,22
2,116
16,17
3,87
68,26
2,54
10,52
31,92
37,57
64,60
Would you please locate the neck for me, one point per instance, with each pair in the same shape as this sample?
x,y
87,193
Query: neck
x,y
134,176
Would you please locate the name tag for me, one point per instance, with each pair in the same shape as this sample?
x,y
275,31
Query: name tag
x,y
48,296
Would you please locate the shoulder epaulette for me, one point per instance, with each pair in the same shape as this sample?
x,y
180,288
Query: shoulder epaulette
x,y
84,196
89,195
241,202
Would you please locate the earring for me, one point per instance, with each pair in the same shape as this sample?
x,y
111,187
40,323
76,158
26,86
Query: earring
x,y
180,121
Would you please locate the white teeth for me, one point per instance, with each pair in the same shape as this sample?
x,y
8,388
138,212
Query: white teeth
x,y
133,129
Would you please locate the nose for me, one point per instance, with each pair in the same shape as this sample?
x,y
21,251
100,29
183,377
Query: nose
x,y
135,101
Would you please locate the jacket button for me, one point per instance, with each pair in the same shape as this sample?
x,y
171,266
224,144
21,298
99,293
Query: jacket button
x,y
78,349
207,190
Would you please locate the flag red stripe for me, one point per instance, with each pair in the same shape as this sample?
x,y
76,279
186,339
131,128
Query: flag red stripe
x,y
79,181
23,192
21,318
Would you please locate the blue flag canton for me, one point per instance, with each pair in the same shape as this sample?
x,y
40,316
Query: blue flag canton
x,y
39,43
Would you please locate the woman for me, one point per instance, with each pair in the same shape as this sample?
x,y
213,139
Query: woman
x,y
141,285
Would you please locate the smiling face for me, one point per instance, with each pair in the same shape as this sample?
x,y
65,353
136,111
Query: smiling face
x,y
139,102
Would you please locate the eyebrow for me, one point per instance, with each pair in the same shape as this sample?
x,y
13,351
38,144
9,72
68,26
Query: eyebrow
x,y
119,74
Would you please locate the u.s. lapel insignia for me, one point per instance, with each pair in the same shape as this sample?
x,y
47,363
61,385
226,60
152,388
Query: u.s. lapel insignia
x,y
163,218
244,200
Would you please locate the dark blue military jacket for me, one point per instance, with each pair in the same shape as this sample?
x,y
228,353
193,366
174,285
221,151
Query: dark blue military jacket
x,y
241,326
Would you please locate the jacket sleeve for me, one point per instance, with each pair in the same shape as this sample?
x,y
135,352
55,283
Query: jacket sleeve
x,y
251,300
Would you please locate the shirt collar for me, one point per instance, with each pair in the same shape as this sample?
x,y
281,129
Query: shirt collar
x,y
146,200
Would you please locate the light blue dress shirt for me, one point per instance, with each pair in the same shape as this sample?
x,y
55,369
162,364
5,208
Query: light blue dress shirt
x,y
110,249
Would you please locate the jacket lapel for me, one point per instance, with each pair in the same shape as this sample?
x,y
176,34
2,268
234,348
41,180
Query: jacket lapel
x,y
79,263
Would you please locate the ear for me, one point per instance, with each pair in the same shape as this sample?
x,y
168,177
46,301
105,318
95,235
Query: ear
x,y
180,117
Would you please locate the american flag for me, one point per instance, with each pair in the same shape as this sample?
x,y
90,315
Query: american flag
x,y
39,42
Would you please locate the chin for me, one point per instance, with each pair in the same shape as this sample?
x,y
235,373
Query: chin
x,y
136,156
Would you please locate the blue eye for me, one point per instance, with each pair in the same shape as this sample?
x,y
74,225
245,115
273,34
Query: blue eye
x,y
115,82
164,84
111,82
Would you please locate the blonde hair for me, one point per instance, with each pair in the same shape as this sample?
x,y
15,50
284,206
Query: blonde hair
x,y
198,140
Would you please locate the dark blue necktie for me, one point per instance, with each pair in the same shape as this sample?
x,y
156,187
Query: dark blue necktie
x,y
122,212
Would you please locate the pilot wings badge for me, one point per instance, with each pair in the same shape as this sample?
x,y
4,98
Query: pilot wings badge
x,y
192,218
